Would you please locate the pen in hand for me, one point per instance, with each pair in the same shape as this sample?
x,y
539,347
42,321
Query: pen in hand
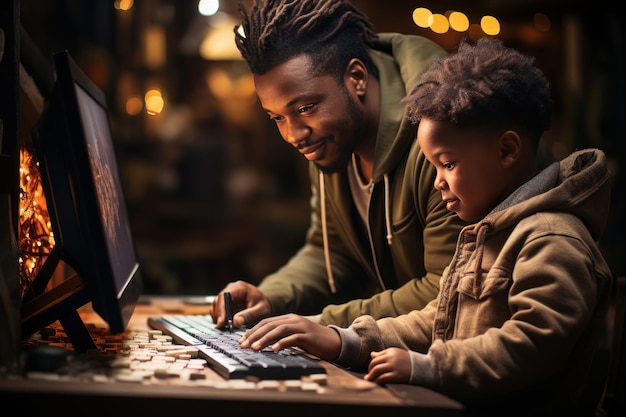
x,y
229,310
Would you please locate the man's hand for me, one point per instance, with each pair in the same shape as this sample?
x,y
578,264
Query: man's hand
x,y
248,303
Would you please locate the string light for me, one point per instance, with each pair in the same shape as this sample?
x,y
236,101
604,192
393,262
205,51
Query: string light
x,y
35,236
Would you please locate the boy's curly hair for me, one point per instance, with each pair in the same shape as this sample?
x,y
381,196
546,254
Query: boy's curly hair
x,y
486,84
331,32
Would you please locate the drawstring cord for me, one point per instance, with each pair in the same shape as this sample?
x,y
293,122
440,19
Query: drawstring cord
x,y
329,270
387,209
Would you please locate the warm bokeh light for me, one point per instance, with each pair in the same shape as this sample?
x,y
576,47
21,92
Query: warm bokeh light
x,y
225,85
421,16
490,25
220,83
123,4
439,23
155,47
153,92
134,105
154,102
458,21
219,43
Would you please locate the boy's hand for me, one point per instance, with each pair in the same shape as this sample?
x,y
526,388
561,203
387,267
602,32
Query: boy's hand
x,y
390,365
292,330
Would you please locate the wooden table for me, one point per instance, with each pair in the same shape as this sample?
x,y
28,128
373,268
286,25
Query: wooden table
x,y
343,393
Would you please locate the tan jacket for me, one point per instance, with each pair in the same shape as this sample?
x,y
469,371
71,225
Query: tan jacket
x,y
522,305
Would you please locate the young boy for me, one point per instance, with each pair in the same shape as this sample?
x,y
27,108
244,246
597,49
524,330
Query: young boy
x,y
522,304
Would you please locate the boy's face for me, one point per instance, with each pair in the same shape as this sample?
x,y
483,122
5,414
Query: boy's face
x,y
322,119
470,171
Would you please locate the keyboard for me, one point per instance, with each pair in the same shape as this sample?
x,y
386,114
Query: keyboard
x,y
221,349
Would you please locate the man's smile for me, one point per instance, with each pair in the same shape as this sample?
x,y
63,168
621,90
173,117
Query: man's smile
x,y
311,151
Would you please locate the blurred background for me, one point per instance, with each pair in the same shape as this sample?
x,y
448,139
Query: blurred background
x,y
213,192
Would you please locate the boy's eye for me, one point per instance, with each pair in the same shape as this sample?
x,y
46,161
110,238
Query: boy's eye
x,y
276,118
448,165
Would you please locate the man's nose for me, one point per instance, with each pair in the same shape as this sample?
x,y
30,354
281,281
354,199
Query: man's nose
x,y
297,133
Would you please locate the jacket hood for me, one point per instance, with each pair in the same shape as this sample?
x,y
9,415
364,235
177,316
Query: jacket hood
x,y
401,60
578,184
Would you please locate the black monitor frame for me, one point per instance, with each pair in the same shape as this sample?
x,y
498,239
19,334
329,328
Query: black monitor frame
x,y
85,199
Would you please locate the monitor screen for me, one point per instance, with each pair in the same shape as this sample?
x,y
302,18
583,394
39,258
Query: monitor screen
x,y
85,198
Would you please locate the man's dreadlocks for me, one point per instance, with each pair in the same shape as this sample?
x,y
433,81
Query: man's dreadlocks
x,y
331,32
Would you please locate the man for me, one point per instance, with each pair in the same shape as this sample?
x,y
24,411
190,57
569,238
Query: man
x,y
378,228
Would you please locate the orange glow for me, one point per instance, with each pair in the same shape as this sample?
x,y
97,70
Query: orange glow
x,y
154,102
490,25
458,21
439,23
35,236
421,16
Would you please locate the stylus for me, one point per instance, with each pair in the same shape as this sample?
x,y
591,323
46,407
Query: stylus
x,y
229,310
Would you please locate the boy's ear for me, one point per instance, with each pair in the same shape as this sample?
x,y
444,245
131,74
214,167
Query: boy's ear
x,y
510,148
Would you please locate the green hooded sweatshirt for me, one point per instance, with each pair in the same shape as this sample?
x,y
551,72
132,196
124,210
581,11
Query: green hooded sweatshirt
x,y
394,265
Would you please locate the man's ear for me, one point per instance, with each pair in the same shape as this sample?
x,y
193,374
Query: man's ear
x,y
356,77
510,148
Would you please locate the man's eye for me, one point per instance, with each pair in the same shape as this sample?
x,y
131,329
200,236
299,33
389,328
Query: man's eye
x,y
305,109
276,118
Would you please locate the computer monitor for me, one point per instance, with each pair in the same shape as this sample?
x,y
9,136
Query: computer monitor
x,y
85,198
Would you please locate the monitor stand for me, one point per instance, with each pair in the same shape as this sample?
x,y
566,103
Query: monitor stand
x,y
77,332
59,303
